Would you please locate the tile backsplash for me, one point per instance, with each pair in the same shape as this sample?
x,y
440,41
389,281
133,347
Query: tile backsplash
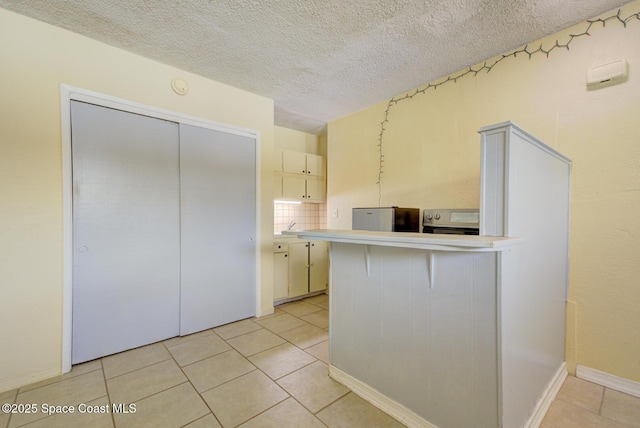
x,y
306,216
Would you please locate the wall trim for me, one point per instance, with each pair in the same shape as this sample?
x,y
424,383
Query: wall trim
x,y
379,400
608,380
542,406
411,419
70,93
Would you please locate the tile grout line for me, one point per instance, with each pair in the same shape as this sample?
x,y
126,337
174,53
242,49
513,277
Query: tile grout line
x,y
256,368
106,388
316,359
193,386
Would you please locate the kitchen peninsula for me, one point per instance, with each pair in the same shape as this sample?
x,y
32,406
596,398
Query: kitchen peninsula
x,y
455,331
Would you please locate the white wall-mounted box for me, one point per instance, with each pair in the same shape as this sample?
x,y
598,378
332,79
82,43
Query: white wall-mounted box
x,y
606,73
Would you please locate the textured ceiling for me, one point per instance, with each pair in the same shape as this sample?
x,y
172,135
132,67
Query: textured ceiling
x,y
318,59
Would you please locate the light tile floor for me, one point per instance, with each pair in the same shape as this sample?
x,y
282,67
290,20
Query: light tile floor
x,y
265,372
582,404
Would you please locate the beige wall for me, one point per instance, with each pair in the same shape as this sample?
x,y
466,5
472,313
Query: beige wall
x,y
432,149
35,59
290,139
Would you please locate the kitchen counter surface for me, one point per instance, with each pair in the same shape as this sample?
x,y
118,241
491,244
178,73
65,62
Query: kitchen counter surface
x,y
408,240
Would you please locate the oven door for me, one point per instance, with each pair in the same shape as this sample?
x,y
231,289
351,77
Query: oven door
x,y
451,230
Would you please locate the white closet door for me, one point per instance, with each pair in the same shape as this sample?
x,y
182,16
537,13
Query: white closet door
x,y
126,273
218,226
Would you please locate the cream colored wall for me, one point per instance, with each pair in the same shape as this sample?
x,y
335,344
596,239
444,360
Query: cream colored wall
x,y
36,58
291,139
431,148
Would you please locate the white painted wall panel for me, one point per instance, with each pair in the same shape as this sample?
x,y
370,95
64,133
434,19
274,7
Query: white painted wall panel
x,y
533,184
431,349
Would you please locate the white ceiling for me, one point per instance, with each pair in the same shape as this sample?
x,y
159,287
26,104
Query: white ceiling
x,y
318,59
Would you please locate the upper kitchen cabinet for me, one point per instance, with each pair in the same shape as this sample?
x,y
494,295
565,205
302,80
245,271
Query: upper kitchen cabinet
x,y
299,176
302,163
302,189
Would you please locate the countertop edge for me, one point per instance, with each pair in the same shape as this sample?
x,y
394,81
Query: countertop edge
x,y
409,240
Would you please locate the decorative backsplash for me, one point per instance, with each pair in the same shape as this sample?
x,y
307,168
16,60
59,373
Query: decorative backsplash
x,y
306,216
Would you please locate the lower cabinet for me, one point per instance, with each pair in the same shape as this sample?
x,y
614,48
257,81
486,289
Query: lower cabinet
x,y
280,275
318,266
298,269
307,269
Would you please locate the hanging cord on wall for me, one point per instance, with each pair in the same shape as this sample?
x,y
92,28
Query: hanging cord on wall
x,y
488,67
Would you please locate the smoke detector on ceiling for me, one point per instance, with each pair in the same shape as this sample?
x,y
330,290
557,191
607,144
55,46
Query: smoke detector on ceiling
x,y
180,86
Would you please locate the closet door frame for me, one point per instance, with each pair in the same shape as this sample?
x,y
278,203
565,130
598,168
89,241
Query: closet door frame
x,y
70,93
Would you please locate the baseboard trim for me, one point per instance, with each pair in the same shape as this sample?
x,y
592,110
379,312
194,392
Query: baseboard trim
x,y
608,380
413,420
15,383
547,397
379,400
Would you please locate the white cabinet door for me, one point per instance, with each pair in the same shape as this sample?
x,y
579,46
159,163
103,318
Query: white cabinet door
x,y
218,225
318,266
280,276
315,190
302,163
126,231
294,162
315,165
294,188
298,269
303,189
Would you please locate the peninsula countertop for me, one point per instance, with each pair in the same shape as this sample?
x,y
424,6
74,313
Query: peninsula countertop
x,y
408,240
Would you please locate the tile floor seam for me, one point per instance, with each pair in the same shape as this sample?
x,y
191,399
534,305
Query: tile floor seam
x,y
265,373
349,391
106,388
241,334
256,353
604,390
163,390
266,410
225,382
196,389
141,367
210,356
201,393
205,358
289,395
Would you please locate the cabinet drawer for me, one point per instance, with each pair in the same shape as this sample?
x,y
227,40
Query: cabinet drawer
x,y
280,247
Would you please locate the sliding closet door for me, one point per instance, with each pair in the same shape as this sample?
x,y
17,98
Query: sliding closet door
x,y
126,227
218,225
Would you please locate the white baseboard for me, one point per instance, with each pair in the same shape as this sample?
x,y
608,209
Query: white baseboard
x,y
608,380
379,400
413,420
547,398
